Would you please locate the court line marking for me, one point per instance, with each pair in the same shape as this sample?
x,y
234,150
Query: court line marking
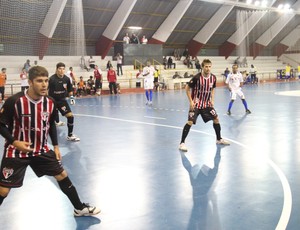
x,y
287,194
159,118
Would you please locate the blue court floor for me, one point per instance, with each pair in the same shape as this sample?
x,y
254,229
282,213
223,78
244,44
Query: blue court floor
x,y
128,164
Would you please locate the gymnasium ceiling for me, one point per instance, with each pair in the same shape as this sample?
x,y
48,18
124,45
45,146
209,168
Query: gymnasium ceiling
x,y
22,19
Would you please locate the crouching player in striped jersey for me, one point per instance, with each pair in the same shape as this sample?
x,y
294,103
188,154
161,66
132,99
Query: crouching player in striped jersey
x,y
26,120
200,92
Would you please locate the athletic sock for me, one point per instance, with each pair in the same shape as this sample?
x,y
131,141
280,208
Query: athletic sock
x,y
70,191
230,105
70,125
150,95
245,104
185,132
217,128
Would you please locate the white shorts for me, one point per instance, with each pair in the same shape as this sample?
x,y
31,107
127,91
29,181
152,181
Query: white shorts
x,y
148,84
238,92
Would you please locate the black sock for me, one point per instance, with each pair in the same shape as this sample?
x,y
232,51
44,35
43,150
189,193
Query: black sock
x,y
57,116
67,188
70,121
185,132
217,128
1,199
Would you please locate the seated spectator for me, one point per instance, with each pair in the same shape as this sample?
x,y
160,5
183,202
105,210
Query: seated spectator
x,y
81,87
170,63
176,75
144,40
186,75
92,62
90,86
187,62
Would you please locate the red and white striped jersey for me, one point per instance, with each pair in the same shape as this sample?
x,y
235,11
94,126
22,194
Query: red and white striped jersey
x,y
30,121
201,88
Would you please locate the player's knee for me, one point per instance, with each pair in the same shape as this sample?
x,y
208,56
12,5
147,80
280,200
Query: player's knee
x,y
4,191
70,114
61,176
190,123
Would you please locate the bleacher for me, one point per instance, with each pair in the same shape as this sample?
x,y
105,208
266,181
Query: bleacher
x,y
266,69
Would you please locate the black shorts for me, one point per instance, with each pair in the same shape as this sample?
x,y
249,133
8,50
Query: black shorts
x,y
207,114
63,106
13,169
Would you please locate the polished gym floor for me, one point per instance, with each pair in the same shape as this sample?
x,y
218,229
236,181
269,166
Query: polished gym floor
x,y
128,164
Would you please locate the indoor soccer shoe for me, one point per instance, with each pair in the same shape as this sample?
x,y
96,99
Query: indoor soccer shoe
x,y
182,147
248,111
73,138
87,211
222,142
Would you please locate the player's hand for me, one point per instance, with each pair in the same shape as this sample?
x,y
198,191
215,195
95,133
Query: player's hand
x,y
22,146
192,106
72,100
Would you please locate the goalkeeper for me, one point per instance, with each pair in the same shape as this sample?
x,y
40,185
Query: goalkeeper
x,y
60,87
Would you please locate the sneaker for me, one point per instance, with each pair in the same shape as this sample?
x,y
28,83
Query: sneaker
x,y
73,138
60,123
222,142
182,147
87,211
228,113
248,111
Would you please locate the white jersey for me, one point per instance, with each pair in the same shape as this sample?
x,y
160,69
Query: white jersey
x,y
234,80
148,74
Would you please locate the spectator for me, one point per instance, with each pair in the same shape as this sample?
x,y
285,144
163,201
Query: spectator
x,y
83,64
198,65
252,72
165,62
98,80
170,63
119,64
176,75
112,80
27,65
3,78
134,39
126,39
81,87
185,53
177,54
144,40
92,62
226,72
187,62
108,65
90,86
24,80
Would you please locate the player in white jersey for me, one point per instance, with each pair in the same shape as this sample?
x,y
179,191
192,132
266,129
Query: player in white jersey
x,y
234,82
148,75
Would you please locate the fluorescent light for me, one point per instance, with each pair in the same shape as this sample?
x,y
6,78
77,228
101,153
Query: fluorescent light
x,y
134,27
